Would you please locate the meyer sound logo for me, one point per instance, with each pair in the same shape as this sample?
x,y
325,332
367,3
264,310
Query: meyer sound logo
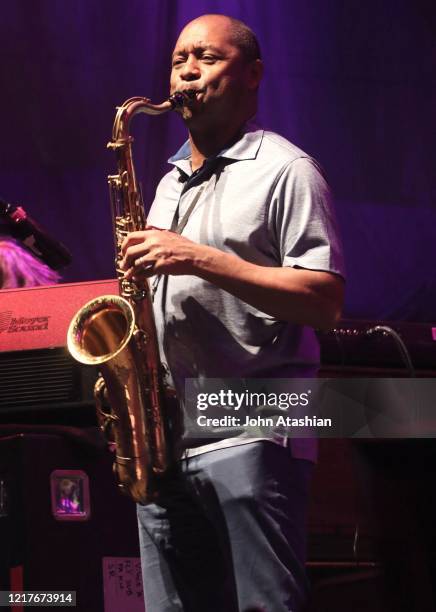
x,y
10,324
5,320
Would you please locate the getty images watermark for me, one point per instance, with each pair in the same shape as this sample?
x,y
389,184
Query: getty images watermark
x,y
246,401
255,408
308,407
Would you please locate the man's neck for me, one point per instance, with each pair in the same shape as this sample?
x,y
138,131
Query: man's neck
x,y
207,144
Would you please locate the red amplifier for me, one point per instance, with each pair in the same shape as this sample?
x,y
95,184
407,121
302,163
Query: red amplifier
x,y
40,381
38,317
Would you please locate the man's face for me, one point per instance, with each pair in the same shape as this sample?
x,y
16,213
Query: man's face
x,y
206,60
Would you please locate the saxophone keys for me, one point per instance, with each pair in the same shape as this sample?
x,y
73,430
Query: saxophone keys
x,y
141,338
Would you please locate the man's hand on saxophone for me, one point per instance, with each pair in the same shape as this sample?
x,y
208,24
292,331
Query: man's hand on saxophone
x,y
158,251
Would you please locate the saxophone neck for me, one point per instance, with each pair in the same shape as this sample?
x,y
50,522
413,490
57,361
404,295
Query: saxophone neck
x,y
133,106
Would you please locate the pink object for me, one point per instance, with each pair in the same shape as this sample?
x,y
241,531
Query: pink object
x,y
38,317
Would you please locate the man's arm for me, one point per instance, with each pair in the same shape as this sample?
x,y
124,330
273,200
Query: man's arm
x,y
305,297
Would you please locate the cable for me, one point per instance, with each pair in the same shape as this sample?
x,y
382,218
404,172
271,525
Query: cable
x,y
388,331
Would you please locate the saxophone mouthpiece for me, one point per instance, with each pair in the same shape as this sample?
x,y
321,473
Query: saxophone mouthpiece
x,y
180,98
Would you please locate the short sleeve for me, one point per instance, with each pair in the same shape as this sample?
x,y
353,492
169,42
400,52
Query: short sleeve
x,y
303,219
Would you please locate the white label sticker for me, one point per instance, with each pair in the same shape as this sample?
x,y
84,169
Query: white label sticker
x,y
122,583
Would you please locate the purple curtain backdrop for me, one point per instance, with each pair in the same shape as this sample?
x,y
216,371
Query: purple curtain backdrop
x,y
351,83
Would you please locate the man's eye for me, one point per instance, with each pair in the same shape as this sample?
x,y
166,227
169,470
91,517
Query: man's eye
x,y
177,61
208,58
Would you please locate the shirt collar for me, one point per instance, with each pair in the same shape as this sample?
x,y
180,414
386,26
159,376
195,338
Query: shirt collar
x,y
245,148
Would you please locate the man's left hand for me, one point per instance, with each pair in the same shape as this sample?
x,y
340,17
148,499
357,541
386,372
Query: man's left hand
x,y
157,251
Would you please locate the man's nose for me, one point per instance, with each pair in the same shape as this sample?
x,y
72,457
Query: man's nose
x,y
191,69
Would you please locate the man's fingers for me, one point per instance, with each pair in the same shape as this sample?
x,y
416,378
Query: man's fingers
x,y
134,238
132,253
141,267
143,262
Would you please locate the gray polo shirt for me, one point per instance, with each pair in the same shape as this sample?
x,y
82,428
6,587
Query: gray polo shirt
x,y
268,203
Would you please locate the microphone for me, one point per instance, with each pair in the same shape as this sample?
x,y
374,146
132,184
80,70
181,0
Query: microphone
x,y
26,229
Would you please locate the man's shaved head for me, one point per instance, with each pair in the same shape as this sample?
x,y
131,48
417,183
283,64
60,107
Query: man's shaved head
x,y
242,36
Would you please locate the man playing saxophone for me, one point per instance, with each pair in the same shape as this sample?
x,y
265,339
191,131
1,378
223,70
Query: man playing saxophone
x,y
244,253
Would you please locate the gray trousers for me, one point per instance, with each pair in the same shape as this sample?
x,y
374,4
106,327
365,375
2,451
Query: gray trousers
x,y
227,533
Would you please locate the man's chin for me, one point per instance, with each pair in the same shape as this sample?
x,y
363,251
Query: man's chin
x,y
187,113
198,116
192,116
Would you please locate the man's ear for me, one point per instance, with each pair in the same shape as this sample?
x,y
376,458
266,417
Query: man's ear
x,y
254,74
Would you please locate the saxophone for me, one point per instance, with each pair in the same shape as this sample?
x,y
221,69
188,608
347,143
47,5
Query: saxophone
x,y
117,333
